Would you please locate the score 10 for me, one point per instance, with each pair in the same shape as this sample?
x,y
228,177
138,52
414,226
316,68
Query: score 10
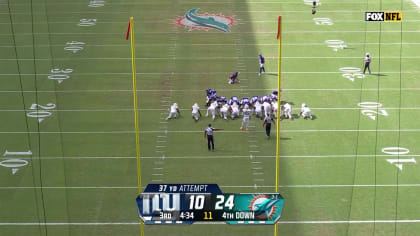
x,y
210,201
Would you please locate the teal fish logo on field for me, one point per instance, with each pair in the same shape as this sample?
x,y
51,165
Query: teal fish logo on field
x,y
193,20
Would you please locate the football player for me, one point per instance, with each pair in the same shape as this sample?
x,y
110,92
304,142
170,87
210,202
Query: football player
x,y
267,108
287,111
173,111
195,111
305,112
222,100
233,77
275,107
234,111
244,101
258,109
212,108
264,98
233,100
246,113
261,59
224,111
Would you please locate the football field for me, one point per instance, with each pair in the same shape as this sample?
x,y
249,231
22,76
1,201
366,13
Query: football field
x,y
67,137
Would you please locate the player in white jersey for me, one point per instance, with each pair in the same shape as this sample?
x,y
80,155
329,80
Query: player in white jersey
x,y
275,107
287,111
212,109
195,111
173,111
235,111
258,109
224,111
246,113
267,108
305,112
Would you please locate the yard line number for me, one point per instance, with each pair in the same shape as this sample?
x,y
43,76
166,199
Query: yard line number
x,y
336,44
87,22
398,151
15,163
310,2
323,21
96,3
60,74
74,46
352,73
372,109
41,112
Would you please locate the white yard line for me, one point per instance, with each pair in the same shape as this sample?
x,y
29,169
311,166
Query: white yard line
x,y
240,32
194,58
205,73
236,11
215,157
207,44
165,113
202,91
197,131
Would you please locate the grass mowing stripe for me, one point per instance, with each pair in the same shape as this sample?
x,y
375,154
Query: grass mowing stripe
x,y
196,131
202,44
214,157
262,32
193,58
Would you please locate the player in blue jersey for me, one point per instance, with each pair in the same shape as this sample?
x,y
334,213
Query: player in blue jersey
x,y
233,77
265,98
211,97
262,61
222,99
273,97
244,101
234,99
254,99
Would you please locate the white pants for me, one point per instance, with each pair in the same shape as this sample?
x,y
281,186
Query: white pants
x,y
267,113
307,114
195,115
223,114
174,114
245,121
234,114
258,113
213,112
288,114
275,113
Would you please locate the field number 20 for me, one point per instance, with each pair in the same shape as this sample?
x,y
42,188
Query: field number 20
x,y
352,73
372,109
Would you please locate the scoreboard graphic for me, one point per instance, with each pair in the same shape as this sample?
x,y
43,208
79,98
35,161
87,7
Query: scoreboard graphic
x,y
189,203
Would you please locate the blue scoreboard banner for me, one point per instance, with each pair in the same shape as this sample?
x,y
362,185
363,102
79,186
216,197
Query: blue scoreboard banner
x,y
189,203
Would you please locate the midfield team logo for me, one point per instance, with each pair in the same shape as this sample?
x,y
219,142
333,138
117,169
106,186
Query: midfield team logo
x,y
193,20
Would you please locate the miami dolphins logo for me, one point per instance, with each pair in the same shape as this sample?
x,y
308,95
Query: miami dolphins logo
x,y
193,20
264,207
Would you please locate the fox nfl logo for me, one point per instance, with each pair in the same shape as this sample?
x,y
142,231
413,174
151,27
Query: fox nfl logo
x,y
383,16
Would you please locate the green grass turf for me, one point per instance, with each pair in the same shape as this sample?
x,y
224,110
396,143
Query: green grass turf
x,y
83,165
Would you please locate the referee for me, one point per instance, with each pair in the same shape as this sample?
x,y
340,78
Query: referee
x,y
209,134
267,124
367,63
